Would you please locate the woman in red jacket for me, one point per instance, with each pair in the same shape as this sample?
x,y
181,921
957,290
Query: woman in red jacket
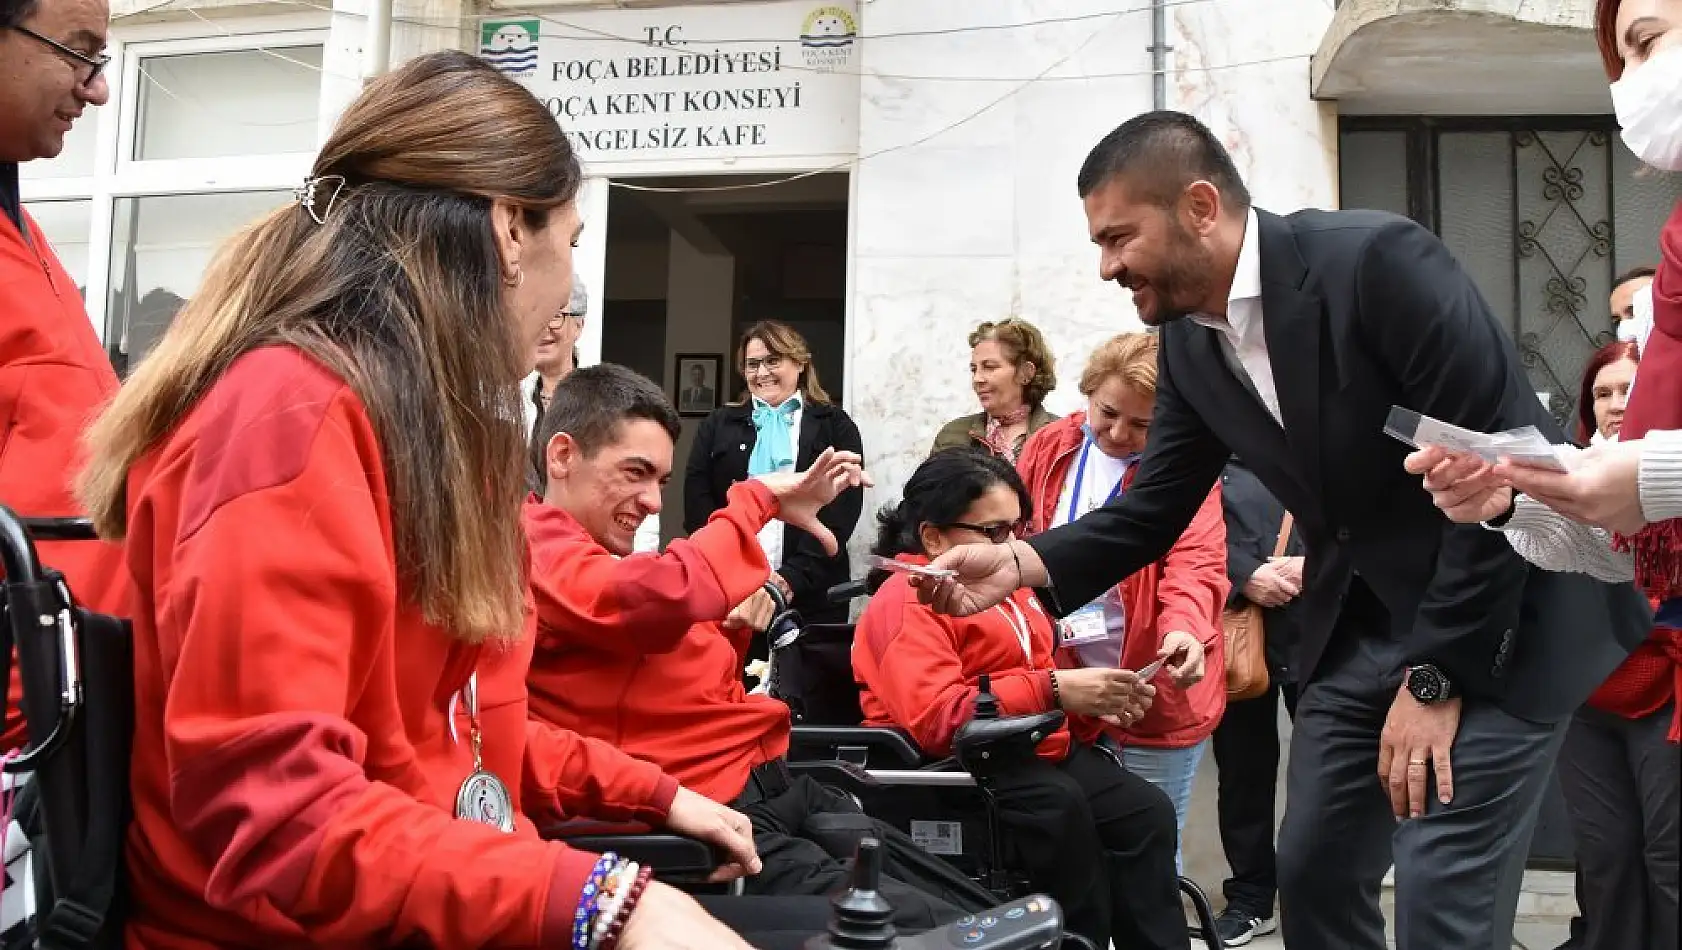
x,y
1171,608
318,475
1098,839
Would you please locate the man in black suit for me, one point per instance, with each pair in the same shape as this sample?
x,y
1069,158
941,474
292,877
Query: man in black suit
x,y
1436,667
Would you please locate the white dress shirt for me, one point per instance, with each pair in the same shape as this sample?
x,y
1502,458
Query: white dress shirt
x,y
771,536
1240,331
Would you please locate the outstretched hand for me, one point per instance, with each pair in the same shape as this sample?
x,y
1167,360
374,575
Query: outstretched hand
x,y
1602,488
983,575
1464,486
801,495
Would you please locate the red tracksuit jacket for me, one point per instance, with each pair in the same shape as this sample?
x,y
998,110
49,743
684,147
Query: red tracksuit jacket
x,y
53,379
294,774
1184,591
919,670
630,650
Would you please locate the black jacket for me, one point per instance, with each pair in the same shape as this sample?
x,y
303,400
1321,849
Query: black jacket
x,y
1253,519
1363,310
719,459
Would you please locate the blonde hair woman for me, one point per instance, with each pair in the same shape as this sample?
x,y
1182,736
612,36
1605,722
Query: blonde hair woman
x,y
1171,608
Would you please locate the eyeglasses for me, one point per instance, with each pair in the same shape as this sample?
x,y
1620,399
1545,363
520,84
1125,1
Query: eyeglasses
x,y
95,64
559,320
996,533
753,365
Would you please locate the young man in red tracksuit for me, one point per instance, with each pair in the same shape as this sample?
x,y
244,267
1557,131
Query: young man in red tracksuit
x,y
53,374
646,650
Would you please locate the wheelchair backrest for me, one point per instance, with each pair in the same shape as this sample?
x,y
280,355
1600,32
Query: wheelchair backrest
x,y
815,677
77,670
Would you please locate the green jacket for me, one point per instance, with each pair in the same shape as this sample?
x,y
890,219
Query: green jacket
x,y
968,430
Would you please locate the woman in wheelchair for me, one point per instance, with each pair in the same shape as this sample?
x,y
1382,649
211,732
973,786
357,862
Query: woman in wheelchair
x,y
318,475
1095,837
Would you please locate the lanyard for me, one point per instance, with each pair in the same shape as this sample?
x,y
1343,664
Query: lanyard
x,y
1019,626
1080,479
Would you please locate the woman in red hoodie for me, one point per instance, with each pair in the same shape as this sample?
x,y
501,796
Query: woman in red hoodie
x,y
1098,839
318,474
1171,608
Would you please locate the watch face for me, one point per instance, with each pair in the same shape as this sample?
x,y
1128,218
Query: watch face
x,y
1425,684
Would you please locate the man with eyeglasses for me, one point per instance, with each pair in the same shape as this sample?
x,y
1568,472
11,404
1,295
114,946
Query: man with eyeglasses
x,y
53,373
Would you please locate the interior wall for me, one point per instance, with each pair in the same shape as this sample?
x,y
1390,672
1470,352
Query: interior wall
x,y
699,307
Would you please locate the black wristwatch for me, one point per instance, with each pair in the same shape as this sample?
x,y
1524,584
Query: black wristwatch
x,y
1429,685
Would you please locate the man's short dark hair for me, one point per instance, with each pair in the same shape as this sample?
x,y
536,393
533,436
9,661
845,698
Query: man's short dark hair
x,y
1161,153
14,12
590,403
1634,273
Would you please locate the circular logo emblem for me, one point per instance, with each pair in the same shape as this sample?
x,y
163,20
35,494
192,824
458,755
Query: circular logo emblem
x,y
484,799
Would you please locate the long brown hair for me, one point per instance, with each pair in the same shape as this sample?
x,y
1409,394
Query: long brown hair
x,y
1606,37
785,341
399,292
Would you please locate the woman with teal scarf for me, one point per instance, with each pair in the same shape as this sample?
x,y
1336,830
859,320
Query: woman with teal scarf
x,y
785,420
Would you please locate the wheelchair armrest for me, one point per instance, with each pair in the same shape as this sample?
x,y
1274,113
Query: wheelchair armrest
x,y
668,854
889,740
983,743
841,776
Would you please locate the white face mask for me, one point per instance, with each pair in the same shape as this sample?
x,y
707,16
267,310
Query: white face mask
x,y
1648,101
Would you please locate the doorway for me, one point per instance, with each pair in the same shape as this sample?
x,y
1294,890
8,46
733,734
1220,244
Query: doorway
x,y
689,269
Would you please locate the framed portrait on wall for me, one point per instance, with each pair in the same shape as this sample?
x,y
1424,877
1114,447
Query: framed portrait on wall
x,y
697,378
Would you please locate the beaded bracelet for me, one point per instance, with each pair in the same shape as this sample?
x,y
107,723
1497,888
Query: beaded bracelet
x,y
1056,694
583,919
609,902
623,917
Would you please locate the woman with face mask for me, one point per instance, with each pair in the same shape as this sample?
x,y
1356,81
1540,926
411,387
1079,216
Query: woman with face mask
x,y
1170,609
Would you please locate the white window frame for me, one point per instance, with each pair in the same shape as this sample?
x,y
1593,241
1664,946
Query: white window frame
x,y
117,176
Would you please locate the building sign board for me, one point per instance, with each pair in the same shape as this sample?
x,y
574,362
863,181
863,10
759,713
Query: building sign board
x,y
772,80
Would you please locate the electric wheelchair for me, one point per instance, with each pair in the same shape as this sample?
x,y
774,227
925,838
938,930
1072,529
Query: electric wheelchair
x,y
69,789
945,805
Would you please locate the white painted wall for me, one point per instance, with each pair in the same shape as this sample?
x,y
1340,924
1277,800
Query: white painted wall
x,y
699,305
982,221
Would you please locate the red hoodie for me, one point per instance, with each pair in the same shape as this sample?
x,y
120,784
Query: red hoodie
x,y
631,650
294,772
53,380
920,670
1184,591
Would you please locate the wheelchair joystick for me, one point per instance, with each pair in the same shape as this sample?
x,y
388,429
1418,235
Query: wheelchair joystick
x,y
862,915
862,919
986,704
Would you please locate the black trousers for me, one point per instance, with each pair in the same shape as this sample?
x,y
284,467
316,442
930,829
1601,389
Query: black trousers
x,y
806,836
1620,778
1458,867
1246,746
1101,841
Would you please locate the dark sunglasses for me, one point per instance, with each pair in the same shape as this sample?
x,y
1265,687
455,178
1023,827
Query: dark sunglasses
x,y
95,64
996,533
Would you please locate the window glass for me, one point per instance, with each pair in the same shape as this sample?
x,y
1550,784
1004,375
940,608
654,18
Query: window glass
x,y
239,102
160,248
77,158
66,225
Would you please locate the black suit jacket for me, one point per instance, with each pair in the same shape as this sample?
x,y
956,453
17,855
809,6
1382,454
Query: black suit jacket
x,y
719,459
1253,519
1363,310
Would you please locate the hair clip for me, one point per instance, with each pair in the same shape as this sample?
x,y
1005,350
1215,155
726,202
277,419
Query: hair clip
x,y
306,195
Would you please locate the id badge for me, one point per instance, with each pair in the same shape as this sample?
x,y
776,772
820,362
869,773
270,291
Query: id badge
x,y
1085,625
